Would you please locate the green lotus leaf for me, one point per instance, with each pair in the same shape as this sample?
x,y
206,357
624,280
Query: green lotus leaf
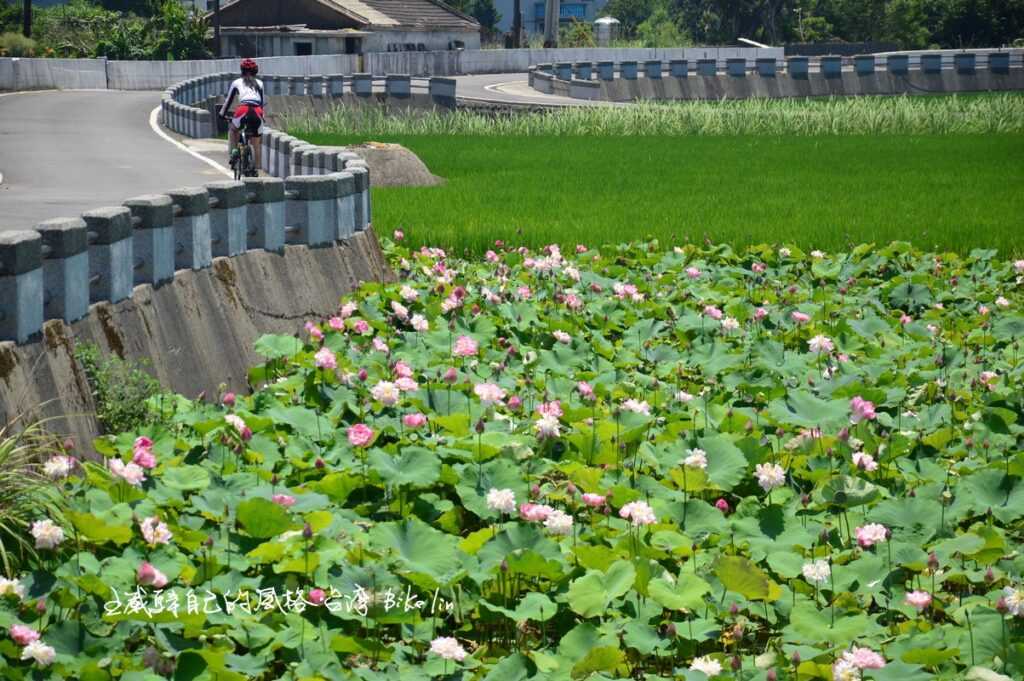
x,y
591,594
420,548
687,593
415,467
741,575
263,518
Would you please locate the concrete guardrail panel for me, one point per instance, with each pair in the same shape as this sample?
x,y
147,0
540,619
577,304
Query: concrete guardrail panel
x,y
110,253
153,222
65,268
21,285
192,245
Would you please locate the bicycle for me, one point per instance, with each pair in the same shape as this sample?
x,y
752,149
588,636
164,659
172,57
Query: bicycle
x,y
241,159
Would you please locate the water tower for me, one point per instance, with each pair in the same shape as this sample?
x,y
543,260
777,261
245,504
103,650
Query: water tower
x,y
606,29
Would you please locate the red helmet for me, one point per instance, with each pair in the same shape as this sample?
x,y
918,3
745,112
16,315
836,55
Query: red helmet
x,y
250,65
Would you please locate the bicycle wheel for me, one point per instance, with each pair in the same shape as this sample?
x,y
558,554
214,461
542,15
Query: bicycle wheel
x,y
247,161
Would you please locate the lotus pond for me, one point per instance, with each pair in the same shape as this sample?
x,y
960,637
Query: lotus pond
x,y
625,463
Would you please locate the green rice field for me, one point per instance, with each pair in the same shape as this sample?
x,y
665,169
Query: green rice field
x,y
942,173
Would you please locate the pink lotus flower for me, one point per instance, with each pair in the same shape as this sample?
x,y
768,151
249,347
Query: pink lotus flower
x,y
448,648
552,409
489,393
1019,266
147,575
419,323
317,596
228,400
380,346
573,301
919,599
403,370
799,317
712,311
451,376
285,500
515,402
988,379
144,458
864,461
243,430
905,319
314,331
983,310
491,256
416,420
861,410
142,442
401,311
722,505
154,531
465,347
336,323
594,500
639,513
398,235
325,359
758,267
524,292
534,512
585,390
760,313
23,635
348,309
386,392
580,248
693,272
871,534
820,344
562,337
361,326
407,385
131,473
360,435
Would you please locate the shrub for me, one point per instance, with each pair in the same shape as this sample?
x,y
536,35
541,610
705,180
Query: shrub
x,y
120,389
16,45
26,494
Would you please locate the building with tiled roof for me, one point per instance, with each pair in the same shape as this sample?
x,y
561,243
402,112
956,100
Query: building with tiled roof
x,y
263,28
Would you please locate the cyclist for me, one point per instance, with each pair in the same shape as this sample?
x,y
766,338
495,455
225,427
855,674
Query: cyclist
x,y
249,91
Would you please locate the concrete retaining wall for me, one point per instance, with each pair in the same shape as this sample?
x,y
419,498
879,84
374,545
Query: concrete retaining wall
x,y
738,78
157,75
197,331
46,74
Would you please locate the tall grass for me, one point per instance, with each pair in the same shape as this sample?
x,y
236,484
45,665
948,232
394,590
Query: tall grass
x,y
26,494
904,115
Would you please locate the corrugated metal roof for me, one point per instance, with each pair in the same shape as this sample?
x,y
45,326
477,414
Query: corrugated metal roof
x,y
421,15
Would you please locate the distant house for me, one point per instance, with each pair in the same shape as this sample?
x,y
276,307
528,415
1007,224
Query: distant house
x,y
267,28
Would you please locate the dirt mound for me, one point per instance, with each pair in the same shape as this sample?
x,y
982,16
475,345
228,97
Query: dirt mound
x,y
392,165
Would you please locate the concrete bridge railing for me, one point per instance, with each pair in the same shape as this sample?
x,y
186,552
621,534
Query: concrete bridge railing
x,y
188,107
863,74
314,197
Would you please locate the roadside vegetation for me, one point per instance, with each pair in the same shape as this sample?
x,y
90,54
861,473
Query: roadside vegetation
x,y
941,172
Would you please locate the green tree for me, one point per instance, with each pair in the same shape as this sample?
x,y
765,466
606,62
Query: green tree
x,y
659,30
485,12
631,13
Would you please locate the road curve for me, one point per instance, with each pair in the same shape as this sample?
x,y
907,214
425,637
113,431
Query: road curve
x,y
512,88
65,152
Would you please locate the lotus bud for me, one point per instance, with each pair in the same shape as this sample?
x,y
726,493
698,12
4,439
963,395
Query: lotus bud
x,y
1001,606
504,565
451,376
41,605
749,426
933,562
69,444
722,505
805,499
208,542
734,609
844,434
479,427
795,659
670,630
535,490
201,396
362,374
968,442
989,576
737,663
228,400
307,531
514,403
273,479
319,463
772,675
779,432
571,489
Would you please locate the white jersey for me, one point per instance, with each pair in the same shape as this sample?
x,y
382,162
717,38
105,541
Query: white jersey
x,y
247,93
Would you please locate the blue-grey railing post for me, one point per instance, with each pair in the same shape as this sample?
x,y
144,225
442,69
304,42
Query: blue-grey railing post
x,y
192,247
336,85
605,70
65,268
110,253
362,84
294,85
153,221
346,205
227,218
999,62
284,156
309,210
832,67
398,86
652,68
736,67
678,68
897,63
266,215
442,92
797,67
563,70
21,285
931,63
964,63
628,70
766,67
707,67
584,70
361,176
864,64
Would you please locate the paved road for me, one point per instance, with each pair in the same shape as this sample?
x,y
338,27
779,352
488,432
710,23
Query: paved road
x,y
512,87
62,153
